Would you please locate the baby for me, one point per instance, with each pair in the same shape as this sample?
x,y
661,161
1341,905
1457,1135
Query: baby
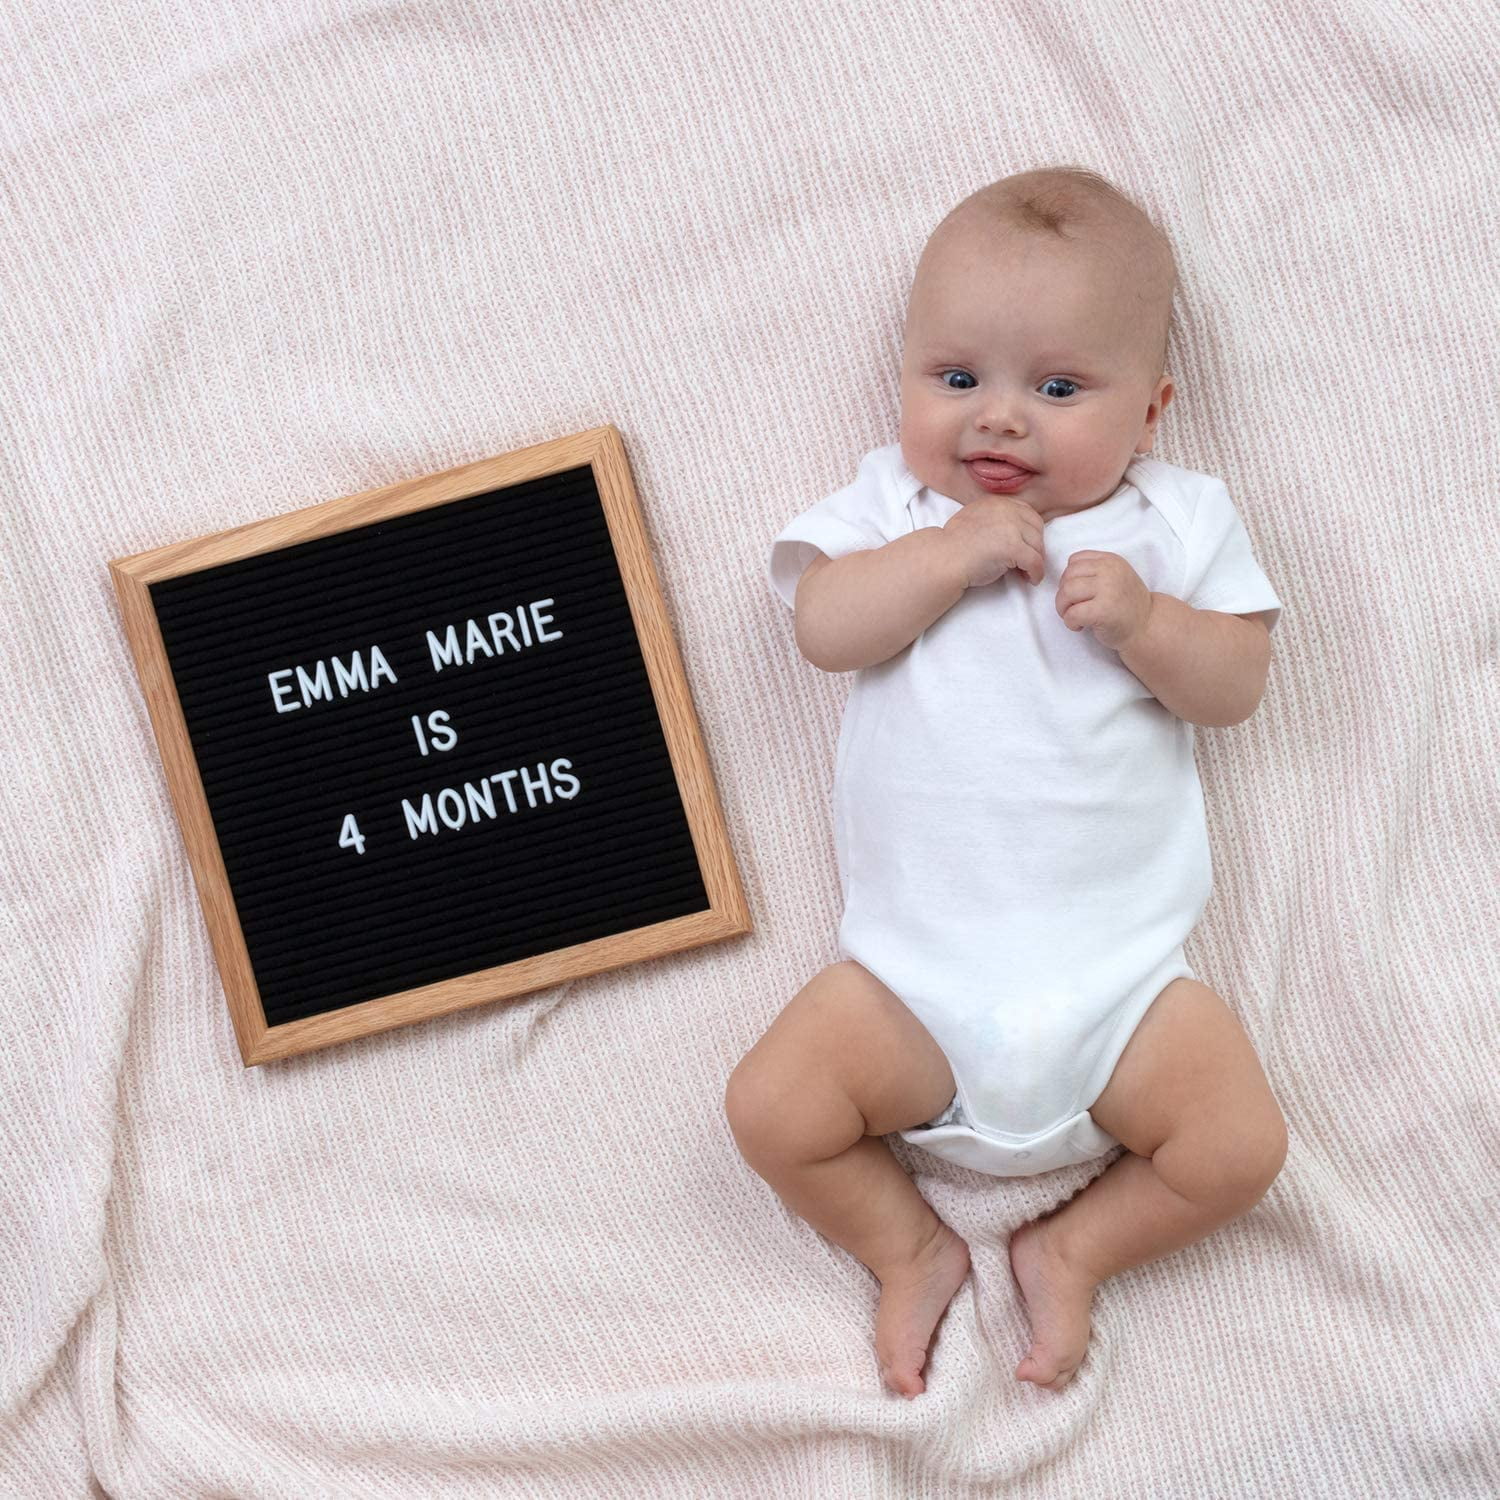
x,y
1037,613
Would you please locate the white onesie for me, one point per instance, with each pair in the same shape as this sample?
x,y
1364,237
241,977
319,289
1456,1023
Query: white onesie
x,y
1018,822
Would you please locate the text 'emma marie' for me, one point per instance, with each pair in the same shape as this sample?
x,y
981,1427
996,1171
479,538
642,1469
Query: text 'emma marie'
x,y
499,632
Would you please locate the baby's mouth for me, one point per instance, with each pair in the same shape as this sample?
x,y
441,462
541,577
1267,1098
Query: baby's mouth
x,y
994,468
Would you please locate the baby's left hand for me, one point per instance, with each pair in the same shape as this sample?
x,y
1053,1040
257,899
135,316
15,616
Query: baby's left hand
x,y
1100,591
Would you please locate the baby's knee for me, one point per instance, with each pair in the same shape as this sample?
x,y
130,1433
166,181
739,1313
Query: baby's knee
x,y
1228,1162
1266,1154
777,1116
745,1100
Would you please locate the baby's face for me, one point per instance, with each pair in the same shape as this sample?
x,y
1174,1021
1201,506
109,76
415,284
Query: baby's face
x,y
1036,348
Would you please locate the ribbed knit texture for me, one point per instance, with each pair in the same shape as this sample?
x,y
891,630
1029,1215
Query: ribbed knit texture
x,y
257,256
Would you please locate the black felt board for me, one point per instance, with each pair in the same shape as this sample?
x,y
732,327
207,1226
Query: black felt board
x,y
326,926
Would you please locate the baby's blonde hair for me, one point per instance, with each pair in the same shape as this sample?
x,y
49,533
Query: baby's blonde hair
x,y
1053,200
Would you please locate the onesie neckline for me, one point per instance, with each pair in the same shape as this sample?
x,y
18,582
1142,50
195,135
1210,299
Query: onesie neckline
x,y
948,506
1126,486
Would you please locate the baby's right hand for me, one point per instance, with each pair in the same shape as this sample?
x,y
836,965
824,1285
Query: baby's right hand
x,y
994,534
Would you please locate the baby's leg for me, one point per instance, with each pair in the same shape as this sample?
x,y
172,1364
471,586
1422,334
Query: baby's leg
x,y
1204,1139
844,1064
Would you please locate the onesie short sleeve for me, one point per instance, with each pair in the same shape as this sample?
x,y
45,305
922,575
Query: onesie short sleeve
x,y
1222,573
869,512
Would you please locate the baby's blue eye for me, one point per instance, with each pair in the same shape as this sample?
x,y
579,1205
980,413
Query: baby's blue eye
x,y
1055,380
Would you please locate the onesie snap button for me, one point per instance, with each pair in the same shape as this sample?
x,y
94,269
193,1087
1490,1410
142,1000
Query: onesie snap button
x,y
1022,1155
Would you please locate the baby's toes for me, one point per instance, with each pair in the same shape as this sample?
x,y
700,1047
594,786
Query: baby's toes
x,y
1045,1370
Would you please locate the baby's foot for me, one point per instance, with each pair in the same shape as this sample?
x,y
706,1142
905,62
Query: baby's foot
x,y
911,1303
1058,1299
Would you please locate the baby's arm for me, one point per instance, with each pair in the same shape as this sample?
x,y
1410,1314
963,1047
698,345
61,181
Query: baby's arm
x,y
864,607
1206,666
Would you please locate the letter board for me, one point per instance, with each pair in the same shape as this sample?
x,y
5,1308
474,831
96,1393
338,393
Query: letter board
x,y
430,746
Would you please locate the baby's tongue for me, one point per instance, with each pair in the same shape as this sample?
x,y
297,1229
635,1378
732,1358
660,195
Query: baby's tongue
x,y
993,468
